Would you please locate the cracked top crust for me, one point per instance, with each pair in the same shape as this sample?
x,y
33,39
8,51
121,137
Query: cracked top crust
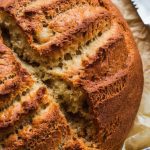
x,y
12,75
13,78
51,26
71,78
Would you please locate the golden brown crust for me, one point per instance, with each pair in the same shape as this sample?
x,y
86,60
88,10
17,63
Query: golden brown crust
x,y
47,131
31,110
101,64
74,145
126,86
20,113
109,74
14,79
72,26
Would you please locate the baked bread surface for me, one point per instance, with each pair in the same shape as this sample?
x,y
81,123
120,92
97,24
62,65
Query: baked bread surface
x,y
70,75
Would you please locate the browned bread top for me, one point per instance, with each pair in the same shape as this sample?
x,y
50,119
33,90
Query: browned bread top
x,y
14,79
26,109
52,26
75,80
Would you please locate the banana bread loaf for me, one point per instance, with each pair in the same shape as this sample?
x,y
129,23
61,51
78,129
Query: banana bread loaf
x,y
70,75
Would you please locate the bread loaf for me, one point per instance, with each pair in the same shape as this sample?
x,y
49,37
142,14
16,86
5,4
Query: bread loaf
x,y
70,75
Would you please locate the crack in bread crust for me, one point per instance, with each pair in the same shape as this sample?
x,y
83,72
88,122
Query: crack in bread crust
x,y
83,65
32,106
20,113
14,79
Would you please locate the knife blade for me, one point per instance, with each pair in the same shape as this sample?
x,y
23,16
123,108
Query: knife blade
x,y
143,9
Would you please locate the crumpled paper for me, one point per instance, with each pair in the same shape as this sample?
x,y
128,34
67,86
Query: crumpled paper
x,y
139,136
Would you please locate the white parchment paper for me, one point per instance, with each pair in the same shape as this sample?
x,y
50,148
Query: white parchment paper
x,y
139,136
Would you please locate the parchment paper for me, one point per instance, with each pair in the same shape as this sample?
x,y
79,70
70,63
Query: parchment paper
x,y
139,136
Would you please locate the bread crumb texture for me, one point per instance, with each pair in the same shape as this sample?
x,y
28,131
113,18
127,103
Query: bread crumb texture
x,y
70,75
